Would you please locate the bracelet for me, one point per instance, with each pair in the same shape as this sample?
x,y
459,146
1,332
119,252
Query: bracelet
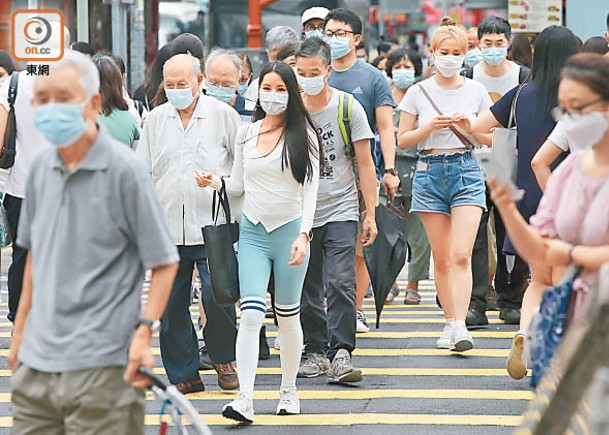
x,y
570,254
308,235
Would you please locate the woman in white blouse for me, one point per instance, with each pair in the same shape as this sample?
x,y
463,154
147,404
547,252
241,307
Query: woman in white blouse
x,y
277,167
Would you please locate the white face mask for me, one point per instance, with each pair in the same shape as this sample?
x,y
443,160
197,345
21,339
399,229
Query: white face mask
x,y
449,65
585,131
274,103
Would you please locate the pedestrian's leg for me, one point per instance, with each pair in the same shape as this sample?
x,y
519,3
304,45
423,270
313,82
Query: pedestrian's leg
x,y
99,401
178,338
465,221
36,407
19,255
437,226
480,269
338,260
418,268
313,316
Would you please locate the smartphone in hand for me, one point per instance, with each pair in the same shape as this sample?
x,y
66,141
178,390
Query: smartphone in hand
x,y
493,168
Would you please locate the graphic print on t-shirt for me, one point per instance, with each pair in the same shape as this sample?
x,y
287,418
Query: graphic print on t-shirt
x,y
329,146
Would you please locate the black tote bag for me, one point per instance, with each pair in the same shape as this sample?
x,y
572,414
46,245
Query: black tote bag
x,y
221,257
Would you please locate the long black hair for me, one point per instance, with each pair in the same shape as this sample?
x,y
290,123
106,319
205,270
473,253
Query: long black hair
x,y
297,125
554,45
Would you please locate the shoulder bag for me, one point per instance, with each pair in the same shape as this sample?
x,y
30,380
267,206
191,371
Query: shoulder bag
x,y
7,155
505,141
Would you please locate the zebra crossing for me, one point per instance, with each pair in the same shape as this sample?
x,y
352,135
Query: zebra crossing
x,y
409,386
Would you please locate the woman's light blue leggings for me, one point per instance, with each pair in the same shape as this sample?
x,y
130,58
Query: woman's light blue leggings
x,y
259,253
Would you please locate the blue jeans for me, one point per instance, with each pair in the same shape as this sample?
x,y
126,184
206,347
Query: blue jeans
x,y
178,338
444,181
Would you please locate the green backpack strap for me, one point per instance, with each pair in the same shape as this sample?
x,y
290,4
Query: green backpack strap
x,y
344,120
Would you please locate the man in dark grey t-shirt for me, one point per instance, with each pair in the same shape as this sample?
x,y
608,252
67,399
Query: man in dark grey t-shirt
x,y
92,225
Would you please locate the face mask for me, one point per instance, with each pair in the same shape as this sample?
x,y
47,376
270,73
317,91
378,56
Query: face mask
x,y
449,65
311,85
403,78
274,103
314,34
473,57
221,93
339,47
3,79
180,98
242,89
585,131
494,55
61,123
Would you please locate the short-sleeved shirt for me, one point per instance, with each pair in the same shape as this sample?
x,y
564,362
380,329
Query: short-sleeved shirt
x,y
92,232
497,87
122,126
337,199
469,99
534,127
29,140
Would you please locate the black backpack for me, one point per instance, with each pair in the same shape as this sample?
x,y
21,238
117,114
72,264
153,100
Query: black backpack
x,y
7,154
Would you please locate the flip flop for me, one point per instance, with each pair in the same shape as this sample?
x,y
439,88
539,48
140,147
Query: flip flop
x,y
412,297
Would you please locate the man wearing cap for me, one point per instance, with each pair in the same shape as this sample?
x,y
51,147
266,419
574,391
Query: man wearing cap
x,y
313,21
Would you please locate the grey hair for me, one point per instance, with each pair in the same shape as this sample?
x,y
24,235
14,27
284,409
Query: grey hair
x,y
219,54
315,47
196,63
280,36
84,66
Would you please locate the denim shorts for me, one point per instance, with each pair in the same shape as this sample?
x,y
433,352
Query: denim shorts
x,y
444,181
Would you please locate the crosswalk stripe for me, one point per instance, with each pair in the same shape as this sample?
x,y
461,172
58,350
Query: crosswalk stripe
x,y
349,420
356,395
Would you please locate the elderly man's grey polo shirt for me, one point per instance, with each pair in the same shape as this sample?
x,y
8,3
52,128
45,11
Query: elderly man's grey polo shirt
x,y
92,233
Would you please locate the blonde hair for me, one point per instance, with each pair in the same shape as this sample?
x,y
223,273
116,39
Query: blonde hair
x,y
449,29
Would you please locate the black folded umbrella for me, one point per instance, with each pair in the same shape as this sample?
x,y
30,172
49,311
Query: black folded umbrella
x,y
386,257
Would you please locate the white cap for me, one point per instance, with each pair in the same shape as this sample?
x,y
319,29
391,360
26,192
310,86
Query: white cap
x,y
317,12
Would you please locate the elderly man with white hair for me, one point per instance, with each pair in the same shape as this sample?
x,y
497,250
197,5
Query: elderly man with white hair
x,y
191,132
92,225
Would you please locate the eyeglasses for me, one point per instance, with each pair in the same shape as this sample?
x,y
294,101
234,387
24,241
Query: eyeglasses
x,y
312,27
559,112
341,33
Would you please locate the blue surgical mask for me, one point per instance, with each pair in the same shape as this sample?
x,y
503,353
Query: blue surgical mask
x,y
242,89
311,85
180,98
61,123
403,78
473,57
221,93
339,47
494,55
314,34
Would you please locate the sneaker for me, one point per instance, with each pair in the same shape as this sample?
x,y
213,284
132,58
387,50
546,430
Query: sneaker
x,y
315,365
241,409
517,358
277,344
462,339
446,339
289,403
361,324
476,318
342,370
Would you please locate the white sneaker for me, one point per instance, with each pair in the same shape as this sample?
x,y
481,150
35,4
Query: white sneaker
x,y
241,409
289,403
446,339
277,344
462,339
361,323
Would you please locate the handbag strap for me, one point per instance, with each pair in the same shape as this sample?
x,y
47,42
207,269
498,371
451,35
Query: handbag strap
x,y
464,140
220,199
512,120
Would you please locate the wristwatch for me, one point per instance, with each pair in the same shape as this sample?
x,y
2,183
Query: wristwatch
x,y
154,325
309,235
392,171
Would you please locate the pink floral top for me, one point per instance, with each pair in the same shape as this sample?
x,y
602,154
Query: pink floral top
x,y
571,210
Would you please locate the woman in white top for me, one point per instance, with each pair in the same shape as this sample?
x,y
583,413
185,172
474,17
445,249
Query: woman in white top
x,y
448,186
277,166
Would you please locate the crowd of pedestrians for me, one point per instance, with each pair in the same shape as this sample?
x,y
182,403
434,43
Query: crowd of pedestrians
x,y
106,185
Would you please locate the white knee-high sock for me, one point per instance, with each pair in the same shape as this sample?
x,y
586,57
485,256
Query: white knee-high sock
x,y
288,318
248,347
